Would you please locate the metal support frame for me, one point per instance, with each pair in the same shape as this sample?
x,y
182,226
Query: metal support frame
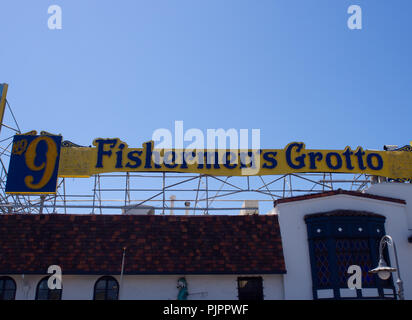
x,y
207,193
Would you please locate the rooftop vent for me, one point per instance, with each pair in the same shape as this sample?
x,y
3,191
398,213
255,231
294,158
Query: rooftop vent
x,y
138,210
172,204
390,147
249,207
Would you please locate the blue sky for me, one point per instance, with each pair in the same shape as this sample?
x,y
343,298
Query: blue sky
x,y
291,68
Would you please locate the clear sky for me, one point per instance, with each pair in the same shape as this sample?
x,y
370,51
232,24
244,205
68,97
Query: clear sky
x,y
291,68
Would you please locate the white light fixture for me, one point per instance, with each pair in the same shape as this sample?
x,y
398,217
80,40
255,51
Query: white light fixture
x,y
383,270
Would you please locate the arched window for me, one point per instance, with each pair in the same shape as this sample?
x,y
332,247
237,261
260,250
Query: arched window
x,y
7,288
339,239
106,288
44,293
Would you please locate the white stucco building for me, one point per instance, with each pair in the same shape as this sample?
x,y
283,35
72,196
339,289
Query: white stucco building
x,y
383,209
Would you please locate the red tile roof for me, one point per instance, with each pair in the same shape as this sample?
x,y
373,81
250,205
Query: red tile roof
x,y
92,244
336,192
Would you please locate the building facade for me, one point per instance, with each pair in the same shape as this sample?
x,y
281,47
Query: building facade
x,y
302,249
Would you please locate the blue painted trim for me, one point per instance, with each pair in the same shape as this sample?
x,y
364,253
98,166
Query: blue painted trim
x,y
350,230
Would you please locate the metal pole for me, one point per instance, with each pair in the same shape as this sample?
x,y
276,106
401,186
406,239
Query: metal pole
x,y
3,94
163,191
42,198
197,192
386,239
94,193
323,187
121,272
207,197
100,194
64,195
126,193
54,203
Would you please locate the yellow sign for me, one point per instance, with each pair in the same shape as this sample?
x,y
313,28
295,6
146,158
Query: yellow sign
x,y
37,161
34,164
113,155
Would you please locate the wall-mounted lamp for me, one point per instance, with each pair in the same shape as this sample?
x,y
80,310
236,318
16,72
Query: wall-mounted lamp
x,y
383,270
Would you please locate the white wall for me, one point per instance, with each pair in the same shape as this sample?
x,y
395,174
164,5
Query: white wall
x,y
148,287
395,190
297,281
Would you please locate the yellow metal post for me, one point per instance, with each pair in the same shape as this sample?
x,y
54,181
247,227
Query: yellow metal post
x,y
3,94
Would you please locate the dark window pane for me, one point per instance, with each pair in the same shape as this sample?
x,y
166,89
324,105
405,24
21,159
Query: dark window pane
x,y
322,263
250,288
106,288
7,288
242,283
43,285
354,252
9,284
112,285
100,295
43,294
8,295
55,294
112,295
101,285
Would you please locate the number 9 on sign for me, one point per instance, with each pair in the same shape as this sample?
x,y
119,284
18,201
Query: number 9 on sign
x,y
47,166
34,168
